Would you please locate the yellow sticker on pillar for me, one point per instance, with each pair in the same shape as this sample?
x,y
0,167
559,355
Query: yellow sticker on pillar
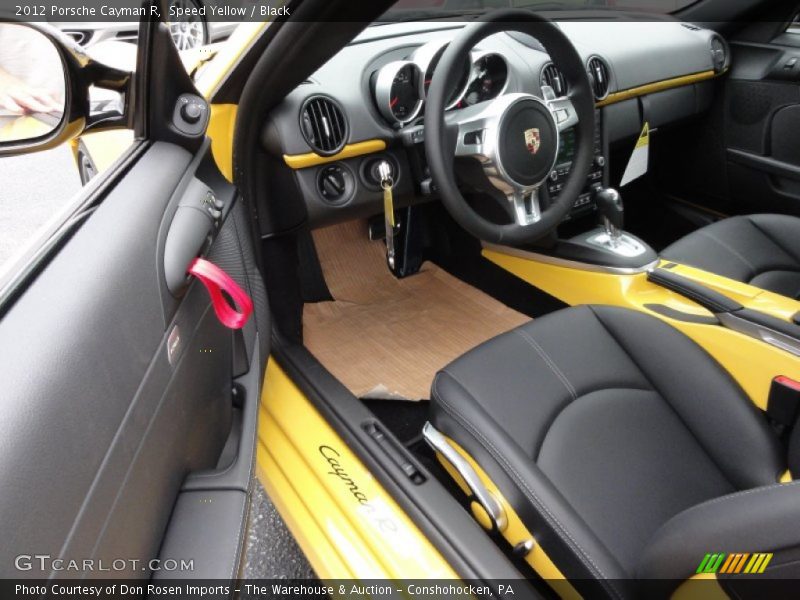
x,y
637,165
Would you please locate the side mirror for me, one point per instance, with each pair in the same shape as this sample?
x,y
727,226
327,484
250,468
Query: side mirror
x,y
45,78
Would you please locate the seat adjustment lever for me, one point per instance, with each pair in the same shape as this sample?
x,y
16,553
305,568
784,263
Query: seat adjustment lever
x,y
442,446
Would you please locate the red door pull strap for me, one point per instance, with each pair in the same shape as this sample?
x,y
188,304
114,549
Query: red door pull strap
x,y
216,281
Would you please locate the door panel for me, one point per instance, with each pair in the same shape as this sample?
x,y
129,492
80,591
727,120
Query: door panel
x,y
762,116
101,424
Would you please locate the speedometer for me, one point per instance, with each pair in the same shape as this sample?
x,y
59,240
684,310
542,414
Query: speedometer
x,y
428,57
397,92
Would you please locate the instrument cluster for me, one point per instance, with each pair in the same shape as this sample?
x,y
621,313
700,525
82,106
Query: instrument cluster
x,y
400,87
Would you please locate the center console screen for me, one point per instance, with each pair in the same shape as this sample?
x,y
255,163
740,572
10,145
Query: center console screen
x,y
566,147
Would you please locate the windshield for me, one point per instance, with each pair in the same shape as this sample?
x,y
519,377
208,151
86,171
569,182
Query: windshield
x,y
456,6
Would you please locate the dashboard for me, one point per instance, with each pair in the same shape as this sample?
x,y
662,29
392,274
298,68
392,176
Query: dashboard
x,y
367,103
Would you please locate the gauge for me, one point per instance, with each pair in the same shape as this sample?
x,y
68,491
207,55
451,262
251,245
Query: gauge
x,y
463,80
404,98
489,79
397,92
427,58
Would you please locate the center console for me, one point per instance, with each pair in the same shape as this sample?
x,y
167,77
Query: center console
x,y
596,179
604,247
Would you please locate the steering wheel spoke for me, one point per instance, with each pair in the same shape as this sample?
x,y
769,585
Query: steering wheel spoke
x,y
475,125
525,204
564,113
479,132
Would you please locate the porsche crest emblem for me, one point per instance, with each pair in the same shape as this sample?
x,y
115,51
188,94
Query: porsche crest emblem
x,y
533,140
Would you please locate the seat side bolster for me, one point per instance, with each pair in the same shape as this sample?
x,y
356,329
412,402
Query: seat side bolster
x,y
725,422
741,248
709,249
781,231
758,520
566,538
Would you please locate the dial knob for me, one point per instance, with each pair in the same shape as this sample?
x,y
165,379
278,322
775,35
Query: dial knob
x,y
192,112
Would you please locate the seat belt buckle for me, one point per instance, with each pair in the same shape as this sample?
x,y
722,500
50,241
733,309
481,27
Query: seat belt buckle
x,y
783,404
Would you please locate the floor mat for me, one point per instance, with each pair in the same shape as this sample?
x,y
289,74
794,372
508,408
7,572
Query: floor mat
x,y
384,337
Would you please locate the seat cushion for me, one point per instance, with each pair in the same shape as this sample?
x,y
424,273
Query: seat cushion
x,y
762,250
599,424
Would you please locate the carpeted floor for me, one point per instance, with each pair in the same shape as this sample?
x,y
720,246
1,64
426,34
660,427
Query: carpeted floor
x,y
384,337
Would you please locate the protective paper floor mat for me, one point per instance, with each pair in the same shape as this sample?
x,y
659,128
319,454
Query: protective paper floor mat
x,y
384,337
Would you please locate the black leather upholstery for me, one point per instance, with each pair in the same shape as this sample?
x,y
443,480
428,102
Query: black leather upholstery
x,y
599,425
765,517
762,250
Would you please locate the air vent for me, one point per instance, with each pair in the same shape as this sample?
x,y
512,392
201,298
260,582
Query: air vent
x,y
81,37
598,75
719,54
555,79
324,125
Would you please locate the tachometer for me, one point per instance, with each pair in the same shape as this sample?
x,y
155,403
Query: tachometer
x,y
427,57
490,77
397,92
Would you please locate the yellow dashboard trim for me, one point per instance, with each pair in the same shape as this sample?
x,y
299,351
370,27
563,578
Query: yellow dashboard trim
x,y
312,159
656,86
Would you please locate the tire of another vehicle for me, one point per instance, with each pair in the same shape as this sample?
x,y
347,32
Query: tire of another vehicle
x,y
190,32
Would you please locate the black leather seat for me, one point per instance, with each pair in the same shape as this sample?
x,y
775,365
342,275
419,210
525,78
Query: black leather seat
x,y
625,449
762,250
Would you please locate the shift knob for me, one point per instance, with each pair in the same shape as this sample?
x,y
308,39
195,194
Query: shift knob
x,y
609,203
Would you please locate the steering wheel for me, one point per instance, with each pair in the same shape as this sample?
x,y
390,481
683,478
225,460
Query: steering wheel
x,y
515,137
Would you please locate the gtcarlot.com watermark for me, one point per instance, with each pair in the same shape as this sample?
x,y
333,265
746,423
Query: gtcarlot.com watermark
x,y
49,563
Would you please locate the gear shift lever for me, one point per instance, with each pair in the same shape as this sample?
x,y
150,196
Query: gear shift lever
x,y
612,239
609,203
